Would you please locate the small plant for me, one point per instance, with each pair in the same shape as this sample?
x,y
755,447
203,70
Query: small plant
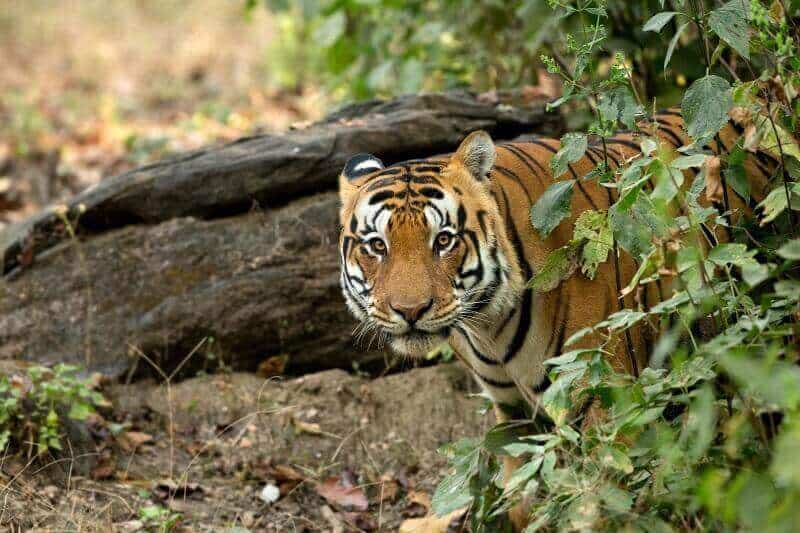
x,y
158,518
33,406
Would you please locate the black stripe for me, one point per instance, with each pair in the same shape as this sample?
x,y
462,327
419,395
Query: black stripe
x,y
578,183
495,383
511,174
523,326
425,180
624,142
378,213
542,386
562,330
505,322
377,183
378,197
591,156
482,358
526,160
431,192
676,139
670,112
553,328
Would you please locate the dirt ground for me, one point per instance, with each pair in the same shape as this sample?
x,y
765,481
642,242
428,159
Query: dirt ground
x,y
338,452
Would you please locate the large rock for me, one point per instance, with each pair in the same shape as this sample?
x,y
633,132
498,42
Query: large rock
x,y
234,246
259,285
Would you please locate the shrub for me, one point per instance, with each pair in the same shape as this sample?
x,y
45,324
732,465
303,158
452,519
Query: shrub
x,y
33,406
705,438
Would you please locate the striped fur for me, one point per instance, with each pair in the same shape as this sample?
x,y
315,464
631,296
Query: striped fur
x,y
474,292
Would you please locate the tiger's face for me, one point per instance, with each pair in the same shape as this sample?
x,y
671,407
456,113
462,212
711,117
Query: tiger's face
x,y
419,246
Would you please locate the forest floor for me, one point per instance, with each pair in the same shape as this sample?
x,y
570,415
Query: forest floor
x,y
324,452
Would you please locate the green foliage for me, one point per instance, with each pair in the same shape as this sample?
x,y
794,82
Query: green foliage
x,y
705,437
33,407
705,106
552,207
158,518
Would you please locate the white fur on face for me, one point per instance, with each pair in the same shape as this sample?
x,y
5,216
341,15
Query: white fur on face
x,y
440,215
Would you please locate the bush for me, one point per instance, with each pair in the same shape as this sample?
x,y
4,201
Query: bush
x,y
33,406
706,437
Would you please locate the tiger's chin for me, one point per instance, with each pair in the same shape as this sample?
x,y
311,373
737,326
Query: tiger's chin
x,y
417,343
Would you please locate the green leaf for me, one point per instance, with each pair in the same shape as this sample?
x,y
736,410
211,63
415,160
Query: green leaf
x,y
452,493
700,424
735,174
668,181
705,106
573,146
593,227
632,234
615,498
556,399
558,266
611,456
658,21
552,207
790,250
622,319
688,161
730,253
522,475
785,463
618,104
777,382
775,203
331,29
673,43
80,411
730,23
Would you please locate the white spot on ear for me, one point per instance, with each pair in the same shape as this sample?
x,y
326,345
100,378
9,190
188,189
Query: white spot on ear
x,y
369,164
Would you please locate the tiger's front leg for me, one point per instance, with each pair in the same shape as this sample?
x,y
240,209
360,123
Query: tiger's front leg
x,y
519,513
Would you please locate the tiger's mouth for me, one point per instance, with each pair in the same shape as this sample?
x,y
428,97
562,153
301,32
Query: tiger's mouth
x,y
418,343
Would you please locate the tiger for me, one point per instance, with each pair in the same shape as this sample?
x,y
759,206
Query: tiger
x,y
441,250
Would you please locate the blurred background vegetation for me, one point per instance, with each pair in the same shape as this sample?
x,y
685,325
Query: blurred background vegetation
x,y
90,88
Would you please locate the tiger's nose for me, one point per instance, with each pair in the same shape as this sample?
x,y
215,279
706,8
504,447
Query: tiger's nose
x,y
411,312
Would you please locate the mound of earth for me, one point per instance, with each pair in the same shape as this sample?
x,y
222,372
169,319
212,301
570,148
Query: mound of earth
x,y
324,452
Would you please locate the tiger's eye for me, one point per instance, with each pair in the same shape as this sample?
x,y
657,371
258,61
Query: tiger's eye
x,y
444,239
378,246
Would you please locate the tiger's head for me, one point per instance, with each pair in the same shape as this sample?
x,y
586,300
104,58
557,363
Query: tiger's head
x,y
422,246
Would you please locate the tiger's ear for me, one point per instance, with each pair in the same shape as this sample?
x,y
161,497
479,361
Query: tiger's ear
x,y
361,164
357,166
477,154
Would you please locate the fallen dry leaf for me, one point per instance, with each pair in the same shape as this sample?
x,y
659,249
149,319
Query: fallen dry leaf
x,y
104,469
343,494
272,366
714,191
419,497
430,523
388,489
130,440
362,521
286,473
311,428
327,513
